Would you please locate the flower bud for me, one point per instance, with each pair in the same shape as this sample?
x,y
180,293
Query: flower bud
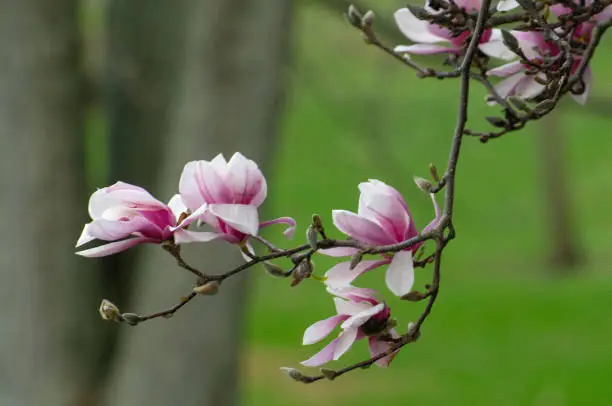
x,y
423,184
293,374
209,288
497,121
354,16
131,318
413,296
302,271
355,260
510,41
329,373
434,172
275,270
109,311
368,19
312,237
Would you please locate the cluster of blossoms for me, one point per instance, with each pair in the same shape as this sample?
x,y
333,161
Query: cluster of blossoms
x,y
536,56
225,197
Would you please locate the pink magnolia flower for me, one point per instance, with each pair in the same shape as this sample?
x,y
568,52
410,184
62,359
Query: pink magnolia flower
x,y
232,193
129,215
382,218
360,314
522,82
431,38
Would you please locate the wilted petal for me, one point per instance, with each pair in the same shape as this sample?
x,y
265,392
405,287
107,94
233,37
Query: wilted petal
x,y
358,319
242,217
345,342
186,236
321,329
361,229
506,5
289,231
323,356
341,274
414,29
400,274
425,49
113,247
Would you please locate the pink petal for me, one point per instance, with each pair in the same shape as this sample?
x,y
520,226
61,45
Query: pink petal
x,y
437,214
85,236
246,181
361,229
528,88
495,47
200,184
378,347
400,274
356,320
386,211
350,308
123,195
341,275
321,329
289,231
242,217
506,70
323,356
114,247
507,86
177,206
197,214
345,342
339,251
425,49
414,29
355,294
111,230
186,236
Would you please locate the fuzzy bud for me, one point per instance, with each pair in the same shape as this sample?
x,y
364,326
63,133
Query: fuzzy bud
x,y
510,41
355,260
497,121
368,19
423,184
544,106
131,318
209,288
109,311
329,373
354,16
413,296
294,374
312,237
302,271
275,270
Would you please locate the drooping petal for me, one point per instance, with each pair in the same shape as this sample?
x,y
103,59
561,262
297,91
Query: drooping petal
x,y
361,229
358,319
414,29
378,346
507,5
341,275
289,231
345,342
323,356
400,274
321,329
113,247
242,217
186,236
425,49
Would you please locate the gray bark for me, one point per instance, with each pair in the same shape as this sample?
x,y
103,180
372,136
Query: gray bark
x,y
226,101
50,331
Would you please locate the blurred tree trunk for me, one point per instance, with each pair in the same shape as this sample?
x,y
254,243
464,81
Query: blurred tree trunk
x,y
227,99
563,239
50,330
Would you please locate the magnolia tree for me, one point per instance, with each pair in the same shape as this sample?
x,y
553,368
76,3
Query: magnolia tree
x,y
542,55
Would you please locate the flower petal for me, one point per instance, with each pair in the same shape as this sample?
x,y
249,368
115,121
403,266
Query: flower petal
x,y
356,320
360,228
506,70
507,5
200,184
339,251
345,342
341,275
425,49
323,356
246,181
349,308
507,86
528,88
113,247
111,230
85,236
186,236
378,346
321,329
495,47
289,231
242,217
414,29
400,274
385,210
177,206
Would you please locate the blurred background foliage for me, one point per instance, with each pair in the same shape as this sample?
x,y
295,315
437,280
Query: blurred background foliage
x,y
522,314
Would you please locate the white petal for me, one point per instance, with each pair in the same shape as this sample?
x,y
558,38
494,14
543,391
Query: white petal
x,y
242,217
350,308
400,274
113,247
321,329
414,29
358,319
506,5
345,341
186,236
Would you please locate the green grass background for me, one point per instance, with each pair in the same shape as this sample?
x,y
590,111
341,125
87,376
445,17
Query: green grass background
x,y
507,329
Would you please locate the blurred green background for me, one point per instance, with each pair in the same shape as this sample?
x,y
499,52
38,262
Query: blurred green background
x,y
508,328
